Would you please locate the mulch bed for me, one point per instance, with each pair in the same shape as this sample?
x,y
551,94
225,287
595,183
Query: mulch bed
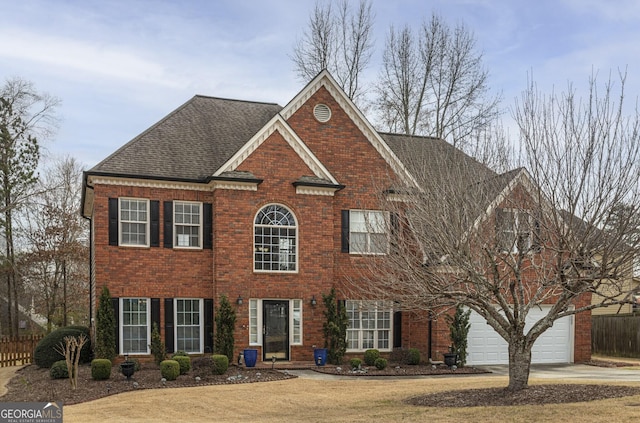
x,y
399,370
532,395
34,384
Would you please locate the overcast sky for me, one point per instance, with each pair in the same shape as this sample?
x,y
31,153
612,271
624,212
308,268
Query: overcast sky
x,y
120,66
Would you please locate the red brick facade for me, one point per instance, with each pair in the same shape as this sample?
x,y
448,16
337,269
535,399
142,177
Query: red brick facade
x,y
228,268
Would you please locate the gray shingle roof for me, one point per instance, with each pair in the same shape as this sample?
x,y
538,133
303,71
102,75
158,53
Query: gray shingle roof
x,y
192,142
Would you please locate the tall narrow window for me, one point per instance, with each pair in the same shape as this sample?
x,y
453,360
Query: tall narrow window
x,y
135,325
368,232
189,325
275,240
253,322
134,222
188,224
296,326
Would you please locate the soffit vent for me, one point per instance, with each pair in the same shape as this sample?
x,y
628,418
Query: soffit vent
x,y
322,113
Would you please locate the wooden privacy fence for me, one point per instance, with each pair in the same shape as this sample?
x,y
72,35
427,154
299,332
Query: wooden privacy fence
x,y
616,335
18,350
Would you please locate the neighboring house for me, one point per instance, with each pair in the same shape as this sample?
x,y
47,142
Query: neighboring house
x,y
270,206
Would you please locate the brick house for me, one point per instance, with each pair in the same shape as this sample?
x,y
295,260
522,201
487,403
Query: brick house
x,y
263,204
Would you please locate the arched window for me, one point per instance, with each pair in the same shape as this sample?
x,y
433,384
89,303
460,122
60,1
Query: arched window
x,y
275,240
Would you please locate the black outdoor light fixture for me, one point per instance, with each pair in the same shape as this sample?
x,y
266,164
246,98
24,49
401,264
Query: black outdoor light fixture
x,y
239,300
313,300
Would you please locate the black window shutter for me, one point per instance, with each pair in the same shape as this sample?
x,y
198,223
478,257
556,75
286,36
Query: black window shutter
x,y
345,231
207,226
155,313
116,314
113,221
394,224
168,224
208,325
168,325
397,329
501,225
154,230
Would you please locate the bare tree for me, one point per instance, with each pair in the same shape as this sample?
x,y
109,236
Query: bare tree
x,y
504,244
55,260
434,83
25,115
338,39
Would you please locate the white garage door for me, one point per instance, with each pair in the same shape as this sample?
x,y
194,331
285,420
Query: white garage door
x,y
485,346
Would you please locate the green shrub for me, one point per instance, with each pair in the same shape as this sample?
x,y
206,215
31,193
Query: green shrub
x,y
59,370
220,364
184,362
105,346
157,346
413,357
370,357
180,353
100,369
355,363
380,363
45,353
225,325
170,369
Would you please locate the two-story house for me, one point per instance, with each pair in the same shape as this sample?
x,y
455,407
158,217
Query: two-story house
x,y
270,206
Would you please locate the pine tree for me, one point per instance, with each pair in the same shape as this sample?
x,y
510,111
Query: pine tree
x,y
225,325
105,327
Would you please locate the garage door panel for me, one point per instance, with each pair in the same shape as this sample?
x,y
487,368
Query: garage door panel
x,y
485,346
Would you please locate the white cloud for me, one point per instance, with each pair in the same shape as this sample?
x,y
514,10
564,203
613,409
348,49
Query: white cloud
x,y
84,59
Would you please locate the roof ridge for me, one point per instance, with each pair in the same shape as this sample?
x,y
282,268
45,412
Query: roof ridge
x,y
211,97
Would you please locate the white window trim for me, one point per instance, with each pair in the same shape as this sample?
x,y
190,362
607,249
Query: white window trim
x,y
121,325
386,218
292,309
360,330
175,243
515,231
253,228
147,223
257,329
175,326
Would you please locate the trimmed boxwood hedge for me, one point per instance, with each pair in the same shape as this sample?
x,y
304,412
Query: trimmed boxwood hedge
x,y
170,369
413,356
184,362
100,369
45,353
220,364
370,356
59,370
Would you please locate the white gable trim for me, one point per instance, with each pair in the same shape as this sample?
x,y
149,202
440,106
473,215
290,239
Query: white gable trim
x,y
277,123
521,178
324,79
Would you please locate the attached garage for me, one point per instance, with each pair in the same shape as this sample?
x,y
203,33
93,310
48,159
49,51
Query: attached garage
x,y
486,347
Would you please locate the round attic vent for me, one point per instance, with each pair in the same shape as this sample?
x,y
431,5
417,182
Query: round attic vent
x,y
322,113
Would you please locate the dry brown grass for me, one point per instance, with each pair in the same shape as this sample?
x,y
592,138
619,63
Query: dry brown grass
x,y
353,400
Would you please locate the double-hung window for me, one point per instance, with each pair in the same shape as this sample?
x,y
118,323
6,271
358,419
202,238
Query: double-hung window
x,y
134,222
189,325
368,232
188,224
369,325
135,328
275,240
515,230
